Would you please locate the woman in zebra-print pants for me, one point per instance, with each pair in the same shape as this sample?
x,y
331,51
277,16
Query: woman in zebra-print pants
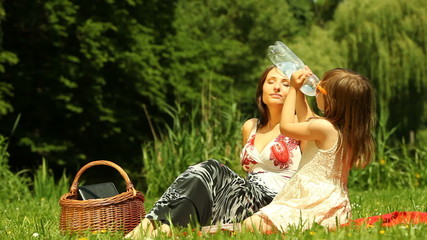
x,y
211,193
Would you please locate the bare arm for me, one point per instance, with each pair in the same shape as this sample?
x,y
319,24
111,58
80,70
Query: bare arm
x,y
303,110
300,130
320,130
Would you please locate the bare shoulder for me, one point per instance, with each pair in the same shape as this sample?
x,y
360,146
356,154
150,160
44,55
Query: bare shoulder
x,y
327,134
249,124
247,128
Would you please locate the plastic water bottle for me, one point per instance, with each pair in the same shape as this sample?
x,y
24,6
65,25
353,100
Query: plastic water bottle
x,y
288,63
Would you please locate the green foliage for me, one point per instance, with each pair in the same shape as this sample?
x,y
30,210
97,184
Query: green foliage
x,y
94,65
5,91
222,44
184,143
313,51
45,185
9,58
86,76
324,10
93,78
190,140
395,165
13,185
387,41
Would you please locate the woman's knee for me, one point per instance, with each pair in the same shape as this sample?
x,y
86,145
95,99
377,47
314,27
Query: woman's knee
x,y
208,165
212,162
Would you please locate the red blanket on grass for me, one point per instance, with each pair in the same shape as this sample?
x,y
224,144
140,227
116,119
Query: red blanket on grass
x,y
391,219
385,220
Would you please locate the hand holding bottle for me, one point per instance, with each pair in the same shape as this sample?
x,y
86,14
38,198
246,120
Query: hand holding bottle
x,y
299,77
288,63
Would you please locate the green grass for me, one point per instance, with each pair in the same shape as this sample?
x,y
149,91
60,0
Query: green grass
x,y
38,218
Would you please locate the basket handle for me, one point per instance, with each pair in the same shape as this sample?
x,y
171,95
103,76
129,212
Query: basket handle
x,y
75,185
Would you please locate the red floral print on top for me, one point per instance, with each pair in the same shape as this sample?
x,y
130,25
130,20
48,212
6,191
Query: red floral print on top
x,y
281,151
247,160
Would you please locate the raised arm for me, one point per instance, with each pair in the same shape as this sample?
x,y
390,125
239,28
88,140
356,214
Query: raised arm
x,y
302,108
319,129
288,127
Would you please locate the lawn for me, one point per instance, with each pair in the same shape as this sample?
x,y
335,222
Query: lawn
x,y
38,218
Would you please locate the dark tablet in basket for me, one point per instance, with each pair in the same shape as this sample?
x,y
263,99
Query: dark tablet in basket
x,y
99,190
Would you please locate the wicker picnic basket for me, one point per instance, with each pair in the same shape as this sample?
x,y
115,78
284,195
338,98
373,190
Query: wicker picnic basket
x,y
122,212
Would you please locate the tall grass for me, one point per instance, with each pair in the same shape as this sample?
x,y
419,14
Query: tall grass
x,y
29,205
44,185
13,186
396,164
191,139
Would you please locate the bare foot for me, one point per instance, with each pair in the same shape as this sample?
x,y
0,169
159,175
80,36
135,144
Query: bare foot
x,y
145,228
164,229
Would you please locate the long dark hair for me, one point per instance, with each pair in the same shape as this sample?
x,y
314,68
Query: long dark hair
x,y
262,108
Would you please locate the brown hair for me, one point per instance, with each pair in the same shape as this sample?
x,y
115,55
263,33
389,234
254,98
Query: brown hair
x,y
350,107
262,108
